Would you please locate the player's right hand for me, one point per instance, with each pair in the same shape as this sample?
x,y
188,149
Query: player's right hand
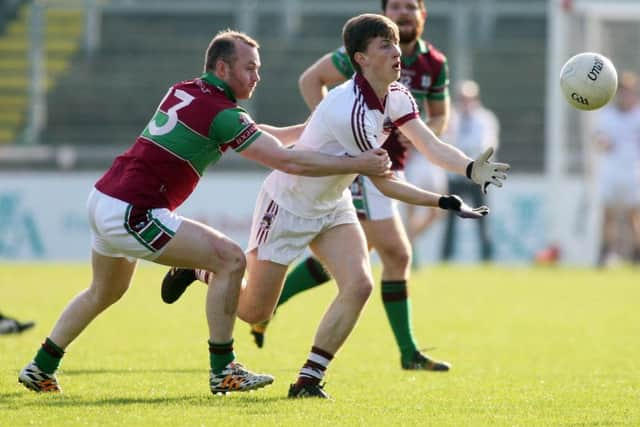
x,y
374,162
455,204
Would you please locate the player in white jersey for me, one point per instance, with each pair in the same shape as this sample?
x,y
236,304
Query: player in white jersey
x,y
293,213
618,137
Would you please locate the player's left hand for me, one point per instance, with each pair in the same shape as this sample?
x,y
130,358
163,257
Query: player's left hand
x,y
483,172
454,203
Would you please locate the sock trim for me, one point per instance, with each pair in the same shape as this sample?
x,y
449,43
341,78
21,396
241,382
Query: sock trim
x,y
52,348
321,352
220,348
394,290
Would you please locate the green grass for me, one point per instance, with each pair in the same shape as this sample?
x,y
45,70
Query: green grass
x,y
529,347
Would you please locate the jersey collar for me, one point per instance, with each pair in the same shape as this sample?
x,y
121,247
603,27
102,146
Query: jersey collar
x,y
219,84
370,97
421,49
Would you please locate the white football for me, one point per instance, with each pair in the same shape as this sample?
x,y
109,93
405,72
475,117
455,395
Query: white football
x,y
588,80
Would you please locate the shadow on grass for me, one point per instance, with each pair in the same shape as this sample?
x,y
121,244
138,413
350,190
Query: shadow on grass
x,y
72,372
66,400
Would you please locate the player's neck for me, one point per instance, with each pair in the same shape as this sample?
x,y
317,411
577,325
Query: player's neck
x,y
408,49
380,87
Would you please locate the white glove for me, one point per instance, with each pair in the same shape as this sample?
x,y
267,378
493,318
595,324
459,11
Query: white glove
x,y
483,172
454,203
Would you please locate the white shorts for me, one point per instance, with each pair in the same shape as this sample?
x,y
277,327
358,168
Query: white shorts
x,y
281,236
119,229
424,174
620,189
369,202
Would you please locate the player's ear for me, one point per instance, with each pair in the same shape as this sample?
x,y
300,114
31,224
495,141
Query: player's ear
x,y
221,69
360,58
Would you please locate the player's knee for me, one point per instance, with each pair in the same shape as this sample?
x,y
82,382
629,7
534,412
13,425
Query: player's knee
x,y
360,289
397,257
104,296
233,259
256,314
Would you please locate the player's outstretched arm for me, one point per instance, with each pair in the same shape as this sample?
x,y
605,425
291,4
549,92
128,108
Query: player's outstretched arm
x,y
287,135
398,189
314,81
267,150
481,171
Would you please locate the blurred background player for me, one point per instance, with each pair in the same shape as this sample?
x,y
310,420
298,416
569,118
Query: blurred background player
x,y
618,140
418,220
473,129
424,71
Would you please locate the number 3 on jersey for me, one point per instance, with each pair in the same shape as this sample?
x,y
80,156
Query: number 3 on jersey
x,y
172,113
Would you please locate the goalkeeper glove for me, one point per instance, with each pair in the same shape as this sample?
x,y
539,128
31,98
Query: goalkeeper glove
x,y
483,172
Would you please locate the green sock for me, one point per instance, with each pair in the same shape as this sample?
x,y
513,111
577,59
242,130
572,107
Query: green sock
x,y
306,275
398,308
49,356
220,355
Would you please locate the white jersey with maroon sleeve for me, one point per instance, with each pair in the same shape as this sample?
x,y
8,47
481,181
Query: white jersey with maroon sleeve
x,y
350,120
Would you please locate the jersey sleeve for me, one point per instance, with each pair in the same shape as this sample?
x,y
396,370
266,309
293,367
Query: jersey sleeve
x,y
342,62
402,107
439,89
234,128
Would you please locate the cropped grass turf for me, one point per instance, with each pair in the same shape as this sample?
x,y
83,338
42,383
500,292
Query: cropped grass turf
x,y
529,347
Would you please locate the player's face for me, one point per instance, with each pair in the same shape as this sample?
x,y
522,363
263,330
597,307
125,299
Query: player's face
x,y
242,76
409,18
626,98
382,57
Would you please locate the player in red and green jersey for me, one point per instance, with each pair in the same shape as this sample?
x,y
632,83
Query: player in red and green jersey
x,y
424,71
131,208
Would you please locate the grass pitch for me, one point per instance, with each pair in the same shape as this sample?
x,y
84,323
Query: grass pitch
x,y
529,347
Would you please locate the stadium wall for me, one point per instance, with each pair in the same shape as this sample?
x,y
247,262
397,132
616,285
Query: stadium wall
x,y
43,217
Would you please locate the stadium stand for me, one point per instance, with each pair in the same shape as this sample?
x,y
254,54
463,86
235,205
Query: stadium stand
x,y
63,30
510,68
104,99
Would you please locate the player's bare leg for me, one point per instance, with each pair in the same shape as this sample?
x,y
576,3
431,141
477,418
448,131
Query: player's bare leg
x,y
193,246
389,238
634,219
111,279
197,246
419,220
609,244
343,251
264,285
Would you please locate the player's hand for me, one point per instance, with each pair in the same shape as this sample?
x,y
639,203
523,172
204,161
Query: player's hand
x,y
483,172
454,203
374,162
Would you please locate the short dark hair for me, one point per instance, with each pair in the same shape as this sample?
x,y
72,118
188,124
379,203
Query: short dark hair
x,y
223,47
384,4
359,30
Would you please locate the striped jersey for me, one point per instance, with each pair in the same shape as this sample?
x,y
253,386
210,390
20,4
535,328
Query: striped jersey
x,y
425,73
195,123
349,120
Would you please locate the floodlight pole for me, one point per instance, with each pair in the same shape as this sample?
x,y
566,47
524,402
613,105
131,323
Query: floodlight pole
x,y
91,27
555,151
37,82
245,18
